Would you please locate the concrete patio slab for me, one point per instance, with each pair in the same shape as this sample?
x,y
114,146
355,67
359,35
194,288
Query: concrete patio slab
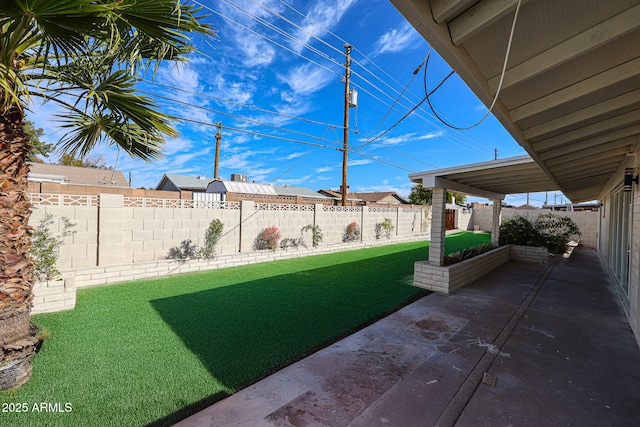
x,y
554,339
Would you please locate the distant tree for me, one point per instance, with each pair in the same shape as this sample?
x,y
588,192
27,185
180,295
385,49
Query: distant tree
x,y
420,195
460,199
37,147
96,162
424,196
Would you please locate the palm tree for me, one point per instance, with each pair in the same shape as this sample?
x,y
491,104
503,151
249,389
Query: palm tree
x,y
85,56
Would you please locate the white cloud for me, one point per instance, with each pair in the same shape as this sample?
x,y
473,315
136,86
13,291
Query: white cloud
x,y
323,16
430,135
304,80
324,169
360,162
295,181
295,155
395,40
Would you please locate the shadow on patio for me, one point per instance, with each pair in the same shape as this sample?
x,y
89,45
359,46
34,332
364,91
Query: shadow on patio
x,y
525,345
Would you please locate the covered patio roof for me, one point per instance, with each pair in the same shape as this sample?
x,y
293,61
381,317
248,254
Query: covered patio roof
x,y
493,180
570,94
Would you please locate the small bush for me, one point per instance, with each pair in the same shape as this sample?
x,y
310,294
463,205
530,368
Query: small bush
x,y
267,239
464,254
316,234
385,227
351,233
45,246
290,242
548,230
186,250
211,239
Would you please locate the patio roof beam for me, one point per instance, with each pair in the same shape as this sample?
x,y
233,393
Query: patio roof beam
x,y
627,100
479,17
588,40
599,82
457,187
608,149
445,9
622,123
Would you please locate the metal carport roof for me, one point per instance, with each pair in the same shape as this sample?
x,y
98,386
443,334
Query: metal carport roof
x,y
494,179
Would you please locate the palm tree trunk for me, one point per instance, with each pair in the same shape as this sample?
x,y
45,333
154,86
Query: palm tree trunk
x,y
17,343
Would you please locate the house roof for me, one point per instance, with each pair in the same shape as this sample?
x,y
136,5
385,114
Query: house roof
x,y
366,197
287,190
570,94
45,172
183,182
239,187
494,179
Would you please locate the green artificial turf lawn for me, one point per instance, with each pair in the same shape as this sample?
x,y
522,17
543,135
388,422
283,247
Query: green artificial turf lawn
x,y
154,351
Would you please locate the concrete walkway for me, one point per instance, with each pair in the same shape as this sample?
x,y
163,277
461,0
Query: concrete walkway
x,y
526,345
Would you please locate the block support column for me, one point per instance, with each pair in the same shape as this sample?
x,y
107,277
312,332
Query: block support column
x,y
436,246
495,222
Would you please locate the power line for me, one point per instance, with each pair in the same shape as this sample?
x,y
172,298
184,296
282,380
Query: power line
x,y
250,107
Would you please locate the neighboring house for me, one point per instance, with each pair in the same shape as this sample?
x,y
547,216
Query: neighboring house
x,y
568,95
526,207
381,197
175,182
589,206
75,175
239,189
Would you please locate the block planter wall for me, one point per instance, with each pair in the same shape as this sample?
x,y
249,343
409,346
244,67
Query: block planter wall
x,y
54,295
448,279
538,255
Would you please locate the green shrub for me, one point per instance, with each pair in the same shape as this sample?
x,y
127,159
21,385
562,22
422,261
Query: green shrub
x,y
45,246
385,227
211,239
548,230
267,239
351,233
464,254
316,234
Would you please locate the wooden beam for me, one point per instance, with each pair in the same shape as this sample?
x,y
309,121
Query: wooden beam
x,y
585,87
606,126
584,144
445,9
586,41
618,148
479,17
437,182
587,166
627,100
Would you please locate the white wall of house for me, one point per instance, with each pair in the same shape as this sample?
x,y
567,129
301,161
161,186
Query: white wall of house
x,y
619,240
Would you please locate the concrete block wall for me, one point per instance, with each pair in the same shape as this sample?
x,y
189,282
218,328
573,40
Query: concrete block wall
x,y
54,295
79,249
533,254
333,220
413,221
115,230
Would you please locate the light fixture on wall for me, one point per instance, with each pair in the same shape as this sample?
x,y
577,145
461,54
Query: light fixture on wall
x,y
629,179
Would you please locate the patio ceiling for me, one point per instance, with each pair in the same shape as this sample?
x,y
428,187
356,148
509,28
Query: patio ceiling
x,y
493,180
571,90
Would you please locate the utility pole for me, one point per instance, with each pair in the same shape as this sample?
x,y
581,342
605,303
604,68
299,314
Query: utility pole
x,y
218,138
528,198
345,147
495,154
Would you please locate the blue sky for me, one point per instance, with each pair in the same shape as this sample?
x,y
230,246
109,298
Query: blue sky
x,y
272,77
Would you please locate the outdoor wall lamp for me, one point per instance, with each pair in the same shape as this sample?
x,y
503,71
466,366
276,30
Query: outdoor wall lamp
x,y
629,179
